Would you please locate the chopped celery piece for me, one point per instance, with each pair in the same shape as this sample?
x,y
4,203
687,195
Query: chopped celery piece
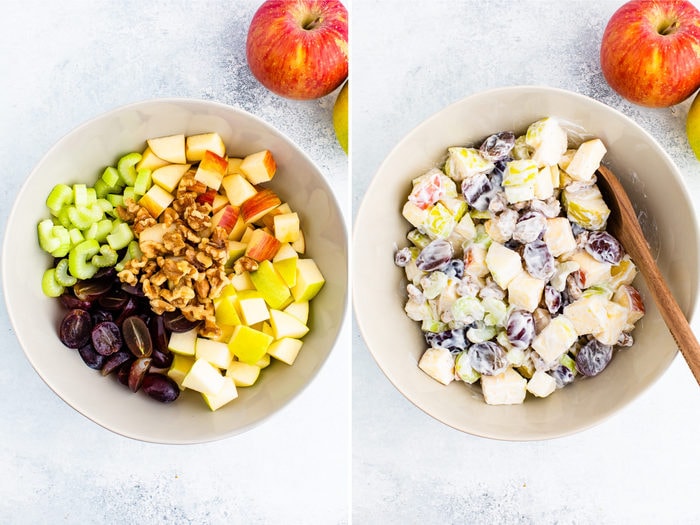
x,y
433,325
496,311
47,240
80,196
62,276
99,230
135,250
129,193
106,257
418,239
79,258
76,237
83,217
115,200
481,332
63,218
433,284
91,196
49,285
101,188
63,236
143,181
122,263
464,369
120,237
61,195
111,177
467,309
126,167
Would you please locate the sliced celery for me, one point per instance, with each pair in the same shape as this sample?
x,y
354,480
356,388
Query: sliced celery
x,y
80,195
129,193
115,200
101,188
61,195
135,250
47,241
122,263
111,177
104,204
83,217
79,258
49,285
91,196
143,181
63,236
120,237
126,168
63,218
99,230
76,237
62,276
106,257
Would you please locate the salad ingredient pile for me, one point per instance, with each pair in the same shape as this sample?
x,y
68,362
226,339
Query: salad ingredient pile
x,y
179,270
510,271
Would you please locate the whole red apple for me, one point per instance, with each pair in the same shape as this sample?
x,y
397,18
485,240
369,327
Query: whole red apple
x,y
299,48
650,52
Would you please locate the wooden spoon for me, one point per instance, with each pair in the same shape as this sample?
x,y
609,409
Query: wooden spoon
x,y
624,226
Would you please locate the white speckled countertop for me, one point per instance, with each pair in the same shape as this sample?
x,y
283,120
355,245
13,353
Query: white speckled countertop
x,y
64,63
409,60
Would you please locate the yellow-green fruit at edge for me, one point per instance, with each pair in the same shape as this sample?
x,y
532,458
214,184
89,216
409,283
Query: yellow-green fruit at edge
x,y
692,125
340,117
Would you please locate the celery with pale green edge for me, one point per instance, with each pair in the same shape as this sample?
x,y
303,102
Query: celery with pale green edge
x,y
84,232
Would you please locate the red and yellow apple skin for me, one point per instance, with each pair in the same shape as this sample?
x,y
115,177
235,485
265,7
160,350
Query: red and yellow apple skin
x,y
298,49
650,51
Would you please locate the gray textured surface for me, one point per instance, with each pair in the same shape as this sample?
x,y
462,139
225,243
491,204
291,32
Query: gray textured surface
x,y
64,63
410,59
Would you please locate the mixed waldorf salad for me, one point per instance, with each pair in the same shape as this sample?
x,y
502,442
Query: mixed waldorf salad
x,y
511,273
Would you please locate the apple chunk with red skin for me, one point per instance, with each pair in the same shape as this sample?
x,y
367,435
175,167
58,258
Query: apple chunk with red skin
x,y
650,54
211,170
299,48
260,204
226,218
258,167
262,246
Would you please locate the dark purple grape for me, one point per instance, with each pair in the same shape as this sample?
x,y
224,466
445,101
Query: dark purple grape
x,y
162,358
577,229
107,273
138,371
137,336
454,340
593,357
402,257
114,361
529,227
160,387
159,336
115,299
75,328
70,301
520,329
106,338
136,291
91,358
123,373
455,269
99,316
497,146
436,256
562,375
539,261
552,299
478,191
131,307
488,358
176,322
604,247
499,169
92,289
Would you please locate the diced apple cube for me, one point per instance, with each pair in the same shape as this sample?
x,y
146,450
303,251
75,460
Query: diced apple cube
x,y
183,342
168,176
211,170
243,374
271,285
170,148
204,377
591,271
541,384
525,291
587,313
586,160
217,353
439,364
196,145
179,368
261,245
252,307
287,269
248,344
241,281
150,161
300,310
559,237
414,214
225,311
544,186
286,325
300,244
503,263
285,251
555,339
237,188
285,349
614,324
226,394
226,218
286,227
260,204
234,166
259,167
309,280
156,200
506,388
629,297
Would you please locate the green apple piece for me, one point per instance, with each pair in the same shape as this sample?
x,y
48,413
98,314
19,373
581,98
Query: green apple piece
x,y
235,250
263,362
248,344
204,377
300,310
586,207
224,395
286,325
215,352
285,251
180,367
285,349
287,269
271,286
225,311
252,307
309,280
183,342
243,374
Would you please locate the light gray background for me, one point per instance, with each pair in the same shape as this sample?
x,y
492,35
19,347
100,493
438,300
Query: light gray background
x,y
410,59
66,62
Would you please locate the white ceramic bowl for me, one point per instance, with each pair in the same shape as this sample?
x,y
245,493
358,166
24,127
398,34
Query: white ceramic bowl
x,y
657,190
80,157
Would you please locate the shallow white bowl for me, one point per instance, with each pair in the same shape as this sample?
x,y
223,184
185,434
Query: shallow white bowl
x,y
658,192
81,156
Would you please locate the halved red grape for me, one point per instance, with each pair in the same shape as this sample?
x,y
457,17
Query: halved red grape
x,y
136,336
604,247
114,361
162,358
435,256
160,387
123,373
159,336
133,290
91,289
497,146
488,358
70,301
520,328
75,328
106,338
176,322
114,299
593,357
138,371
539,261
90,357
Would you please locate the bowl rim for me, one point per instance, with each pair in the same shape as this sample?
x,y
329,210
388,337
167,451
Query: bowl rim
x,y
374,183
192,101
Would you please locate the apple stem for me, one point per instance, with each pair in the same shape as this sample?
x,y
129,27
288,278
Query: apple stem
x,y
311,24
668,28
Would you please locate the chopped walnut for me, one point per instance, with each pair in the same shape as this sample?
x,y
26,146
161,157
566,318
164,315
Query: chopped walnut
x,y
245,264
